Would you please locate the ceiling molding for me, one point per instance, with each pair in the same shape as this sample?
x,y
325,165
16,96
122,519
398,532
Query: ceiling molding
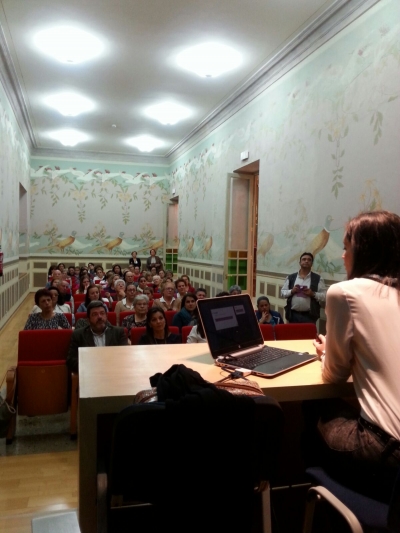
x,y
309,39
105,157
13,90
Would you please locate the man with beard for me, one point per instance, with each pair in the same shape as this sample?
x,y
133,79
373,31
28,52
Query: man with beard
x,y
96,333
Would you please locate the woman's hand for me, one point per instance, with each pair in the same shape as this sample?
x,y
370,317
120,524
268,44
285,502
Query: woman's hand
x,y
264,317
320,346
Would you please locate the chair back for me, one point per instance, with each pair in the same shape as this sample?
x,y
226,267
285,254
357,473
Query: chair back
x,y
124,314
43,344
174,330
267,331
185,331
80,315
169,315
163,477
79,298
288,332
113,305
112,318
136,333
68,316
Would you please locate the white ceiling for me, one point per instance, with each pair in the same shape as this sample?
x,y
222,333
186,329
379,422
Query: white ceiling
x,y
142,39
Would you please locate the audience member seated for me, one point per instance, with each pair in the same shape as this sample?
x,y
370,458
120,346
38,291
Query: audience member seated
x,y
119,286
157,331
92,294
149,277
91,271
201,293
83,271
222,294
153,272
129,277
189,287
153,261
148,291
139,319
52,268
96,333
65,290
156,284
180,288
265,315
56,274
161,273
99,277
169,275
167,302
84,283
127,303
109,291
142,284
187,315
196,334
136,274
117,270
46,318
61,267
235,289
58,302
135,261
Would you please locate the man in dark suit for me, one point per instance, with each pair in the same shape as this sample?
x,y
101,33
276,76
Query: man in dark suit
x,y
96,333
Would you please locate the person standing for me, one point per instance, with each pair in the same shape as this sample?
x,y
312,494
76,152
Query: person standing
x,y
305,291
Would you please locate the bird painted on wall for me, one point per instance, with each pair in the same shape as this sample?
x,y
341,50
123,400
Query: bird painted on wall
x,y
109,246
265,245
207,247
319,242
61,245
190,245
152,245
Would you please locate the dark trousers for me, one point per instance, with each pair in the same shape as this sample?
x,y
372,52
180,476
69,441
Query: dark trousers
x,y
301,318
336,439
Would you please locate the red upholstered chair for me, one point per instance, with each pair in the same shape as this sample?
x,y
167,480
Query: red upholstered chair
x,y
42,375
79,298
185,333
174,329
112,318
169,315
287,332
267,332
113,305
136,333
68,316
80,315
157,296
124,314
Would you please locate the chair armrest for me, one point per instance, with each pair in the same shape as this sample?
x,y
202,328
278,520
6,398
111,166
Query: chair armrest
x,y
73,429
316,493
11,381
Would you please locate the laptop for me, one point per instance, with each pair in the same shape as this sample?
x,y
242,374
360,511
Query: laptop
x,y
235,339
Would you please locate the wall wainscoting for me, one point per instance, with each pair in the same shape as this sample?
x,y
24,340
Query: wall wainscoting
x,y
203,275
14,286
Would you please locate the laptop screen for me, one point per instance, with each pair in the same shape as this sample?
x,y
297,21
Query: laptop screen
x,y
230,324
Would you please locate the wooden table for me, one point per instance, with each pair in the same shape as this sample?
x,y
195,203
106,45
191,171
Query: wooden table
x,y
109,379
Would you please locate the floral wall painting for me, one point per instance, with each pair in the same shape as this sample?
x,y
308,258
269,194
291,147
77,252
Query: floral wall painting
x,y
102,212
327,139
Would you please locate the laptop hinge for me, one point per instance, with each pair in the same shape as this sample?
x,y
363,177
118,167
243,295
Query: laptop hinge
x,y
243,353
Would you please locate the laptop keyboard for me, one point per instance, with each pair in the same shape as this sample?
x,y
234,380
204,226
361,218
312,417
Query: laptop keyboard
x,y
268,353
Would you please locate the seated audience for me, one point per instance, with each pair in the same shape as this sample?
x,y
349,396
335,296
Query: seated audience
x,y
84,283
129,277
153,271
139,319
235,289
196,334
161,273
148,291
201,293
46,317
157,331
117,270
96,333
142,284
189,287
135,261
109,291
167,302
99,277
265,315
61,267
65,290
56,274
136,274
83,271
187,315
180,288
58,302
92,294
149,277
119,286
52,268
126,304
156,284
91,271
222,294
169,275
153,261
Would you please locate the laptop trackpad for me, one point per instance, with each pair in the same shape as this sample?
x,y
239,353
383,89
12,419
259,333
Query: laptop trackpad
x,y
278,366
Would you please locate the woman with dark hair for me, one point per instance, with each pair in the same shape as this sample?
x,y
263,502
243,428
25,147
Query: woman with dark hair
x,y
61,267
50,271
57,300
134,260
117,270
196,334
153,261
189,287
363,314
84,282
92,293
46,317
157,331
187,314
148,291
264,314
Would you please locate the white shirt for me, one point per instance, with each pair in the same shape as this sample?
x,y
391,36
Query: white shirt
x,y
99,340
194,337
302,303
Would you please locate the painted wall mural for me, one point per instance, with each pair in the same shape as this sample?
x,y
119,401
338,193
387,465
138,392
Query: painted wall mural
x,y
327,138
93,211
14,169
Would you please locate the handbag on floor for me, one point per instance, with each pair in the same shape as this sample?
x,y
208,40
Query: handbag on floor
x,y
7,411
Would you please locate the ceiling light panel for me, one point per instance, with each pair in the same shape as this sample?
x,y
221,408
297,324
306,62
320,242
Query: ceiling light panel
x,y
69,104
68,44
209,60
168,112
69,137
145,143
